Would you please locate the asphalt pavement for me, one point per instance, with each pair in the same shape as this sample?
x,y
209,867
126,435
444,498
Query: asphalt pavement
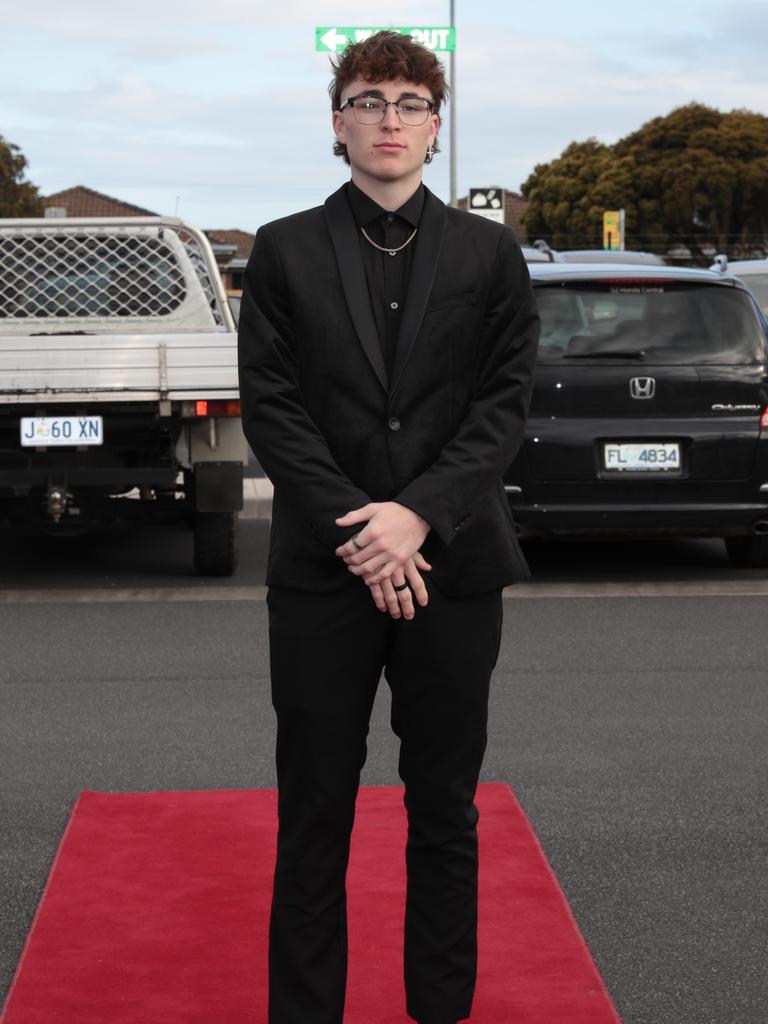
x,y
628,713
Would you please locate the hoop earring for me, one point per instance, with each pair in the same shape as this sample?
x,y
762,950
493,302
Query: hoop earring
x,y
430,154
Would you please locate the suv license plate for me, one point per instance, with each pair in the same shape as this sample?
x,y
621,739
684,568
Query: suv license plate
x,y
642,458
49,431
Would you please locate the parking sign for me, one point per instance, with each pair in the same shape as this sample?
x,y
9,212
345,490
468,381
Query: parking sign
x,y
488,202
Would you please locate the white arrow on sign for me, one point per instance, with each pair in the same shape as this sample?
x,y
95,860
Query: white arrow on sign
x,y
332,39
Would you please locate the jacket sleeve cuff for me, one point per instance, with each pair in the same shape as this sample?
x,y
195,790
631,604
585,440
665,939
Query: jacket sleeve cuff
x,y
442,520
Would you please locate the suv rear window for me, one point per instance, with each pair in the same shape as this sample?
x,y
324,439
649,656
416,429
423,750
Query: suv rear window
x,y
659,321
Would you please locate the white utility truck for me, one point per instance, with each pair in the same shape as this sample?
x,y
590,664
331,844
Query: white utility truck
x,y
118,380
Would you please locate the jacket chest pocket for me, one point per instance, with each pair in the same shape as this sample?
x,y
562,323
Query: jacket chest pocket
x,y
454,302
453,322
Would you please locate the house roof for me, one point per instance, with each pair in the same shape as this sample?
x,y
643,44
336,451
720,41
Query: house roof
x,y
231,246
243,240
81,201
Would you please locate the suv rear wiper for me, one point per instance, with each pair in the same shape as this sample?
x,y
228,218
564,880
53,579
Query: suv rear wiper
x,y
607,354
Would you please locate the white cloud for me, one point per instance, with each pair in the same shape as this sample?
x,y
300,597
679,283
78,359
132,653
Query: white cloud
x,y
157,32
554,90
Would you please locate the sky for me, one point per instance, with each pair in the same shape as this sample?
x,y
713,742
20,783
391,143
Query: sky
x,y
218,111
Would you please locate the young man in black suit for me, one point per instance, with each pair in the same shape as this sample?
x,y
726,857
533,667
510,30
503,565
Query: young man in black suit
x,y
387,347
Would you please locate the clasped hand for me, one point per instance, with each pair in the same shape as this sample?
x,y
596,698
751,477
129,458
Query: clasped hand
x,y
387,555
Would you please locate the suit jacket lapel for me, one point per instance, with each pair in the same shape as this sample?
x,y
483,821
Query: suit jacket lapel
x,y
429,243
343,232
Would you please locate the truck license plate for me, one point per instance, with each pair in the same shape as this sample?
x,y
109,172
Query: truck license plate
x,y
642,458
48,431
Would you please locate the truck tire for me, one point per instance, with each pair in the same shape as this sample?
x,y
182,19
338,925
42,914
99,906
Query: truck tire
x,y
748,552
215,543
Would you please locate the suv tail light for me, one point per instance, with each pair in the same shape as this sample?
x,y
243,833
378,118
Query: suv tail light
x,y
764,419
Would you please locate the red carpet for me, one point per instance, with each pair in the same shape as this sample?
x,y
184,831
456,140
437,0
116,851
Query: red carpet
x,y
157,904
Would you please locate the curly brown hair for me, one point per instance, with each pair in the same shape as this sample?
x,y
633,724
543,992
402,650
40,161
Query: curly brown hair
x,y
385,57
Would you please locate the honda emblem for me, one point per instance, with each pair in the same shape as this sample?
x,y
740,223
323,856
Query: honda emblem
x,y
642,387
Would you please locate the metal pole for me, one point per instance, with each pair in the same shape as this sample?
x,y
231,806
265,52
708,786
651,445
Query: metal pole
x,y
452,83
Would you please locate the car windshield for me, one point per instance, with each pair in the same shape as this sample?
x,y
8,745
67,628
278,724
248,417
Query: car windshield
x,y
658,321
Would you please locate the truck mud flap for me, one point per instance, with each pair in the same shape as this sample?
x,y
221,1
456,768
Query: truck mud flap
x,y
218,486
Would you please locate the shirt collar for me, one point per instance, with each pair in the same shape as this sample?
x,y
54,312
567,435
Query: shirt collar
x,y
365,209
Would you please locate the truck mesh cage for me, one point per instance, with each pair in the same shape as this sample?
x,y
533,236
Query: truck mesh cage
x,y
76,272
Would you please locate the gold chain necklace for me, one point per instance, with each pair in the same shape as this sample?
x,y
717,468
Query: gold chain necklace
x,y
392,252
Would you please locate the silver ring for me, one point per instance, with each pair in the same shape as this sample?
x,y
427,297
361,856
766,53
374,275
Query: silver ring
x,y
354,541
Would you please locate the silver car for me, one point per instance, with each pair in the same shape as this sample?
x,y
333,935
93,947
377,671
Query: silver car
x,y
610,256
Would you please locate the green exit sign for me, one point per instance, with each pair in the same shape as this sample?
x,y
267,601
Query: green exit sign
x,y
334,39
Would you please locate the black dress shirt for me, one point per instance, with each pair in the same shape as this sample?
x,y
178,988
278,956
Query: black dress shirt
x,y
387,275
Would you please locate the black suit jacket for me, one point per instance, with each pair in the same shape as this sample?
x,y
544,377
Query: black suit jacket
x,y
333,432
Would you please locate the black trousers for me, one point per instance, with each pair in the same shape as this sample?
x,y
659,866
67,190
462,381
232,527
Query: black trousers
x,y
327,653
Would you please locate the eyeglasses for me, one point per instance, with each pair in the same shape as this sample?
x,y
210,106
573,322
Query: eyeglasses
x,y
413,110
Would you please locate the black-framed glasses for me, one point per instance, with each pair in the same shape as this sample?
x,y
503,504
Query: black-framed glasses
x,y
412,110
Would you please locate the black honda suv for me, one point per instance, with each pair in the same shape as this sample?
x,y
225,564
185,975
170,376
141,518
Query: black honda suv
x,y
650,408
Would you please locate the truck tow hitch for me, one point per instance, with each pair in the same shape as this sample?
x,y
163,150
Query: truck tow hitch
x,y
57,500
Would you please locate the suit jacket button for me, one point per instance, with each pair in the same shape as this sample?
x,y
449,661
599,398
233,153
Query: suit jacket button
x,y
394,423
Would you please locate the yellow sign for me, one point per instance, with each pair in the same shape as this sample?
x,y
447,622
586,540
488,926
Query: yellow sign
x,y
613,229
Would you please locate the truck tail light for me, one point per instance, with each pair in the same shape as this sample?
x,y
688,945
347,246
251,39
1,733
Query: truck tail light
x,y
764,419
217,407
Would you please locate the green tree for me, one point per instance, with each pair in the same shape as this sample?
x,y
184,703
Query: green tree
x,y
560,195
696,176
18,198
